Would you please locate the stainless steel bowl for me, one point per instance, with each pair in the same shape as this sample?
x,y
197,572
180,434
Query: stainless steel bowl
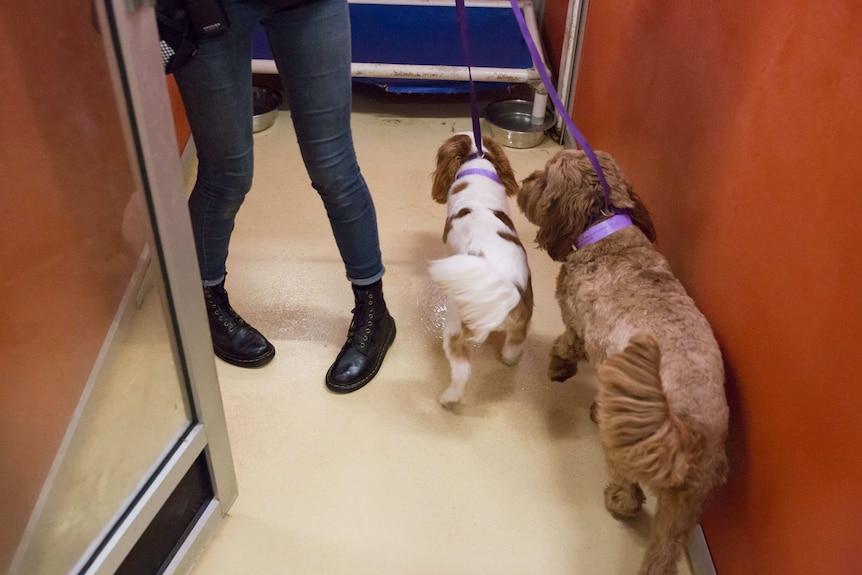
x,y
266,102
511,123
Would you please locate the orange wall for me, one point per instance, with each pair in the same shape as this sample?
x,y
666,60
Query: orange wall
x,y
64,244
65,249
740,124
553,32
181,123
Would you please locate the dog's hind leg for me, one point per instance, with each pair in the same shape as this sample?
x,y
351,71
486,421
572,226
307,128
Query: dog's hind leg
x,y
513,347
457,348
567,351
677,512
623,498
516,325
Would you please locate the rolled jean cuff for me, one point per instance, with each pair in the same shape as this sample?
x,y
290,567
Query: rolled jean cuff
x,y
367,281
211,283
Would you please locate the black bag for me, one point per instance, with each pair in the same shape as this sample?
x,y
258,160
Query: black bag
x,y
182,23
207,18
177,41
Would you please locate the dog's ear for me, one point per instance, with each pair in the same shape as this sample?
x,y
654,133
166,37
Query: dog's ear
x,y
450,156
572,198
565,219
531,195
623,196
547,201
494,153
640,216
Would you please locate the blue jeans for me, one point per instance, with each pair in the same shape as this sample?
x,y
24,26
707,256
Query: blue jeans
x,y
310,41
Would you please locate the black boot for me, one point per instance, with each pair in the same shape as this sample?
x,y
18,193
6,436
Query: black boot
x,y
371,333
234,340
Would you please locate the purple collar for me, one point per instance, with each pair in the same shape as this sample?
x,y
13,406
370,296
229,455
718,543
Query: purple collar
x,y
490,174
602,230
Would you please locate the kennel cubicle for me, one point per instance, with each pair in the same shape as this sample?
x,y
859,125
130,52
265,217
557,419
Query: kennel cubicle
x,y
414,46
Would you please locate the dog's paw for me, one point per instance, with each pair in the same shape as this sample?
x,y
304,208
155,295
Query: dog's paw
x,y
560,369
450,397
624,500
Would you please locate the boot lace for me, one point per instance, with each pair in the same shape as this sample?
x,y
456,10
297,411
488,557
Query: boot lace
x,y
220,308
362,323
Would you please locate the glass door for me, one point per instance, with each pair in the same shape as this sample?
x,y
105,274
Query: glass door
x,y
113,441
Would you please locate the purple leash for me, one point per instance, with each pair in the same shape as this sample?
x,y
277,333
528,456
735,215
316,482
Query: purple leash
x,y
474,103
558,104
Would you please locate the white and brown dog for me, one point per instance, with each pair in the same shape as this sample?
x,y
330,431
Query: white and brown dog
x,y
661,408
486,279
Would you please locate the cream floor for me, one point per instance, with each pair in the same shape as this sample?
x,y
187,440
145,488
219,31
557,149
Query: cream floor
x,y
384,480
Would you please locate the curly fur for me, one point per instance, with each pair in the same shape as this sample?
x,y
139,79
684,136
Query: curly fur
x,y
661,408
486,278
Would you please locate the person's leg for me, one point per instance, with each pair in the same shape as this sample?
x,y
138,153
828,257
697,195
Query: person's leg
x,y
311,45
216,89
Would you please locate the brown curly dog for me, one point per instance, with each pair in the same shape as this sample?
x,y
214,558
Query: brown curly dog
x,y
661,408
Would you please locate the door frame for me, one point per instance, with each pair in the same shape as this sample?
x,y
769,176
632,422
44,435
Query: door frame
x,y
573,39
131,43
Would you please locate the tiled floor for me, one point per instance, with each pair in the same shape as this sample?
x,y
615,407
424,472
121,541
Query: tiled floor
x,y
384,480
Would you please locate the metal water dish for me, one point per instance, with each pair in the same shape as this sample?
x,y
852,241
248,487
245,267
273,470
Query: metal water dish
x,y
266,102
511,123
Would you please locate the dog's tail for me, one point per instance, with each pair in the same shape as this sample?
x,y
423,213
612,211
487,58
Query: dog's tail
x,y
483,296
639,431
